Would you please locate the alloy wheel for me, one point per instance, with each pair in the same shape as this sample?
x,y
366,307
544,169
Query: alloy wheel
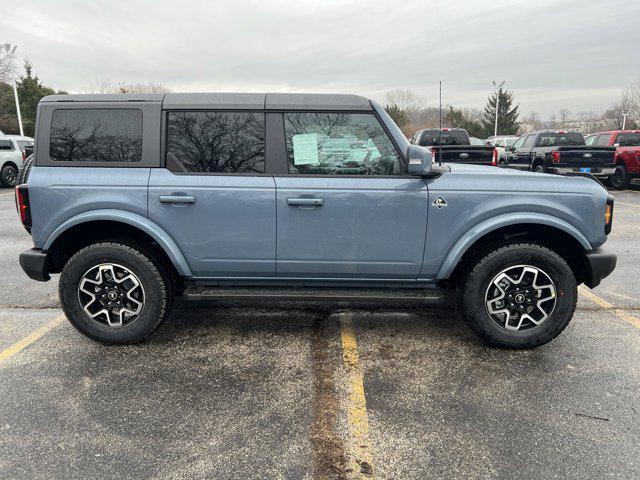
x,y
111,294
520,297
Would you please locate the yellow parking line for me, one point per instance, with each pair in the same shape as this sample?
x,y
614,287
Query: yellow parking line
x,y
628,204
3,194
604,304
360,450
28,340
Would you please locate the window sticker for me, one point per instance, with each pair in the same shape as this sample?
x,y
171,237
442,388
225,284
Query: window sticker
x,y
305,149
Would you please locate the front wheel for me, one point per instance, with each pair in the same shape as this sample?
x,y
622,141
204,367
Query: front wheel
x,y
115,293
518,296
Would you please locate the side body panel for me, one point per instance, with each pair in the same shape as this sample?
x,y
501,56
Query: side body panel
x,y
229,230
478,202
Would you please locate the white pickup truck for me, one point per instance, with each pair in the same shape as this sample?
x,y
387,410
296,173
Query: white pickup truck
x,y
12,154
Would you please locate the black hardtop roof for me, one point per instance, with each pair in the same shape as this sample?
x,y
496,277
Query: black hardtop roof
x,y
230,101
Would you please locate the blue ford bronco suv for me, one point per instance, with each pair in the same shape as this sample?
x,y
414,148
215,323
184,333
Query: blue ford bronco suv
x,y
138,199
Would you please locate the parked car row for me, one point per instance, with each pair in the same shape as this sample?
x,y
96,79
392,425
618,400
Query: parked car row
x,y
14,149
613,156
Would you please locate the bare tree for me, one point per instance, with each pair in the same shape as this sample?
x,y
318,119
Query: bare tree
x,y
151,87
631,95
564,115
405,100
7,63
101,86
107,86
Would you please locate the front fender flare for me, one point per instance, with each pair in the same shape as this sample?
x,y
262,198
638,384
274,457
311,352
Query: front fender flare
x,y
158,234
487,226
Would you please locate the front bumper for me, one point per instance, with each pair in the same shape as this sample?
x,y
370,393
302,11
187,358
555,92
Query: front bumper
x,y
599,265
34,264
596,172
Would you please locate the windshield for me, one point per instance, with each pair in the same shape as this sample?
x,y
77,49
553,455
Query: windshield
x,y
446,137
510,141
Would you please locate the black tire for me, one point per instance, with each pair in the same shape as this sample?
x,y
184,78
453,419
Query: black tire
x,y
620,179
8,175
478,277
539,169
154,278
23,173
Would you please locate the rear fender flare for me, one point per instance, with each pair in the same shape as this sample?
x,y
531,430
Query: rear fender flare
x,y
157,233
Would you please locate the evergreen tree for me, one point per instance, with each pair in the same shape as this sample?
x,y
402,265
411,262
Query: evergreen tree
x,y
507,112
30,91
398,115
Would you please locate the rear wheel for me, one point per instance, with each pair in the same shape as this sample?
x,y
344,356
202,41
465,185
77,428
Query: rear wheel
x,y
518,296
8,175
620,179
539,169
115,293
23,173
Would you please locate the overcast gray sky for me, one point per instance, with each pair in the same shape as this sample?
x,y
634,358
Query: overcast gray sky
x,y
554,54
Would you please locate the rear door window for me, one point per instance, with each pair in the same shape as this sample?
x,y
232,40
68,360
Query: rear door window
x,y
552,139
96,135
6,145
216,142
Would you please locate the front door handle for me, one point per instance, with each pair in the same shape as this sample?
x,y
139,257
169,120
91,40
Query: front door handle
x,y
184,199
305,201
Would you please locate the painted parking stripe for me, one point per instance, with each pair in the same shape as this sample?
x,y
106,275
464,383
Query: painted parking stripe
x,y
618,312
3,194
628,204
360,450
28,340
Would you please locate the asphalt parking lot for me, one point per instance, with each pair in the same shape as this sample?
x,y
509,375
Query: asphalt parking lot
x,y
236,392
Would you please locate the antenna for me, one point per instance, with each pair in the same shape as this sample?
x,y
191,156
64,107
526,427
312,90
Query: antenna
x,y
440,131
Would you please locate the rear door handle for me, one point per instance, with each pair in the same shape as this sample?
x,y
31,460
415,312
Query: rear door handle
x,y
305,201
184,199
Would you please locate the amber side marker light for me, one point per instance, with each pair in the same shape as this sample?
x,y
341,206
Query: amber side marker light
x,y
608,215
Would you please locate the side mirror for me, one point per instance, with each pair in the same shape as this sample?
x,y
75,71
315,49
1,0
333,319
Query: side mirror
x,y
419,160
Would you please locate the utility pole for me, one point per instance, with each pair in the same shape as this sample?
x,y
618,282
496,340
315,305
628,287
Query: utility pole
x,y
495,128
11,52
624,120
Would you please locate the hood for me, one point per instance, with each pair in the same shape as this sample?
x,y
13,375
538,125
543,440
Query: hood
x,y
480,177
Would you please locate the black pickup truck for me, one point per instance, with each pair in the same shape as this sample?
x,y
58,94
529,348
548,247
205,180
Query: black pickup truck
x,y
452,145
559,152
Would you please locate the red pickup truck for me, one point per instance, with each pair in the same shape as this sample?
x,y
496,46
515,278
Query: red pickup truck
x,y
627,158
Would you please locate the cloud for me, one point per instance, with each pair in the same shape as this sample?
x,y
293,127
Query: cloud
x,y
554,54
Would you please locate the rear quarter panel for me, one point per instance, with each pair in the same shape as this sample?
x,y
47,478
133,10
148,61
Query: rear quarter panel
x,y
59,193
474,197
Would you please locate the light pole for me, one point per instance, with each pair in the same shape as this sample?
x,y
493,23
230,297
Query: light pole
x,y
495,128
624,120
11,52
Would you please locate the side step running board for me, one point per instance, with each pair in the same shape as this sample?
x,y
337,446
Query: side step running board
x,y
261,294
